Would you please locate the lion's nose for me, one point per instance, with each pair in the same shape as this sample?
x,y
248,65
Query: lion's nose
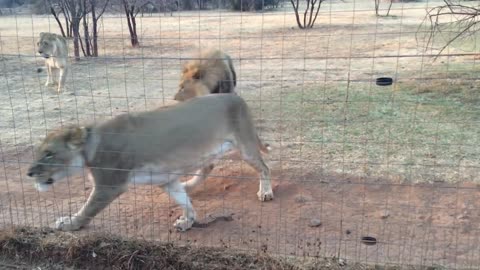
x,y
30,174
40,51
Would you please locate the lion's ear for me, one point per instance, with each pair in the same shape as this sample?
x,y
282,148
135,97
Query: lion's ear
x,y
42,34
76,137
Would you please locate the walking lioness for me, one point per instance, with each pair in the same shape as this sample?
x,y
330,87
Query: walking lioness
x,y
154,147
54,49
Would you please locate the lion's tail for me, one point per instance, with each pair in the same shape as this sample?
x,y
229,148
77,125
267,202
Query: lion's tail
x,y
40,69
197,179
264,147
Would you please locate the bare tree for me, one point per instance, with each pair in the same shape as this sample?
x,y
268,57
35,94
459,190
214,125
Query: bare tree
x,y
77,14
377,8
131,9
169,6
75,10
101,5
56,10
450,22
309,15
149,8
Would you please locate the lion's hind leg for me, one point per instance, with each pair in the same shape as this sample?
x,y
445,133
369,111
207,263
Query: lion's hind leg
x,y
248,143
254,159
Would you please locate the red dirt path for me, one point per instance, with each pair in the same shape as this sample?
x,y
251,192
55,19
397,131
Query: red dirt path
x,y
422,224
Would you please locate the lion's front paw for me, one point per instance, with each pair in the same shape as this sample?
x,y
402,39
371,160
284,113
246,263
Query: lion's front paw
x,y
265,195
183,223
49,84
67,224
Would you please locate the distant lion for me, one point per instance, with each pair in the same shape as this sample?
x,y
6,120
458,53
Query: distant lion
x,y
212,72
154,147
54,49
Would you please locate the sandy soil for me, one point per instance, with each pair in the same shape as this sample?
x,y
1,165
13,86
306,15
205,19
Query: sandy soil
x,y
420,224
423,224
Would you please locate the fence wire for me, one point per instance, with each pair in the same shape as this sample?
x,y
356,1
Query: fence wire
x,y
350,159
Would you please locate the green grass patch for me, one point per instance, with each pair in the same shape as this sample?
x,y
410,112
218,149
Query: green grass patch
x,y
367,130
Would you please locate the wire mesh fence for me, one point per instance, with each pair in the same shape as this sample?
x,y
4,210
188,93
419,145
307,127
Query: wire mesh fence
x,y
350,159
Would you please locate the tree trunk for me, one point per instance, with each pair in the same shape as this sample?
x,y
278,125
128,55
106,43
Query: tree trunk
x,y
86,34
389,7
135,42
70,31
68,25
309,15
76,37
297,16
82,47
95,35
132,27
58,21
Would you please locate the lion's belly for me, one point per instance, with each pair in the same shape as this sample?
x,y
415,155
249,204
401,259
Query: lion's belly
x,y
54,63
163,173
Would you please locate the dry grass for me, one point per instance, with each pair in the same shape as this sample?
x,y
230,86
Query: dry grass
x,y
47,249
421,131
99,251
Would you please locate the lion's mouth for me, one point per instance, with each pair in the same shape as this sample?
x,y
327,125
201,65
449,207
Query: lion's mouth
x,y
44,55
45,185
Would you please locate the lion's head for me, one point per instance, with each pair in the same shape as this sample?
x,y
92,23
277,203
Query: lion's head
x,y
48,45
191,84
58,156
190,88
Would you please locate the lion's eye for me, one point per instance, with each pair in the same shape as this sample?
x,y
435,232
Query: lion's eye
x,y
49,155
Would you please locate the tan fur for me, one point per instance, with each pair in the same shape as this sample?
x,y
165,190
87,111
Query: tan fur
x,y
212,72
54,49
154,147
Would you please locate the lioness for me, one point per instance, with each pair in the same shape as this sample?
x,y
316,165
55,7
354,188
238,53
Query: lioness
x,y
154,147
54,49
211,73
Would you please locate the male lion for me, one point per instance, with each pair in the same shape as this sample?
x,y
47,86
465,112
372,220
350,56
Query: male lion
x,y
154,147
54,49
211,73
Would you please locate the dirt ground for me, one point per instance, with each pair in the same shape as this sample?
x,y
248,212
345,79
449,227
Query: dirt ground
x,y
419,224
320,209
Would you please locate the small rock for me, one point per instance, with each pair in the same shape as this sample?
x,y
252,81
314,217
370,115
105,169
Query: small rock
x,y
385,215
315,222
342,262
302,199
